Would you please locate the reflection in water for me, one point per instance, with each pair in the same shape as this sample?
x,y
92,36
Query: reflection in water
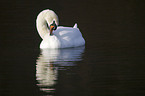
x,y
52,60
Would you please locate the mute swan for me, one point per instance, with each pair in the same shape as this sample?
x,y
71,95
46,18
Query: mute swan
x,y
55,36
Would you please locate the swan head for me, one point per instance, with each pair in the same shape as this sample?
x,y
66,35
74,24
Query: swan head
x,y
53,26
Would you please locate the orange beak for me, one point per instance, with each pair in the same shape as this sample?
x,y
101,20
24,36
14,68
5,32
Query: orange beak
x,y
51,29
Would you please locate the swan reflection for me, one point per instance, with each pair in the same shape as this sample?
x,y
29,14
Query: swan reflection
x,y
52,60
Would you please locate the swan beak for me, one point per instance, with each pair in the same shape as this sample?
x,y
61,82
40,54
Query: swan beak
x,y
51,29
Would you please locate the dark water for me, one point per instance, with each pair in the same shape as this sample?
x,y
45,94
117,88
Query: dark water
x,y
112,63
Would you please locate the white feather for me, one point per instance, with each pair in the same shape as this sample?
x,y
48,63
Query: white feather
x,y
62,37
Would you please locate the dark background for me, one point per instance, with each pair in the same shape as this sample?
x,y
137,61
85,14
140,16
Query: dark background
x,y
114,60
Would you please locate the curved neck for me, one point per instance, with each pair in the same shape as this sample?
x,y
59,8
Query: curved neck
x,y
43,21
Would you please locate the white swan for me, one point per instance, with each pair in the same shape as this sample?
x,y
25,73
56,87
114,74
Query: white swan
x,y
55,36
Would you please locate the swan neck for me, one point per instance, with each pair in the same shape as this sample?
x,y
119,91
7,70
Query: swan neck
x,y
43,21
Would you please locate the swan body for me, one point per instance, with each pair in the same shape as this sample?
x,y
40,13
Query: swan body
x,y
62,37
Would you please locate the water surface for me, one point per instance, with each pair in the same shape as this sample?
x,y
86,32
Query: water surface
x,y
51,62
111,64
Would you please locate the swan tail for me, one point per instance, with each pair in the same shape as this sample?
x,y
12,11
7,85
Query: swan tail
x,y
75,26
